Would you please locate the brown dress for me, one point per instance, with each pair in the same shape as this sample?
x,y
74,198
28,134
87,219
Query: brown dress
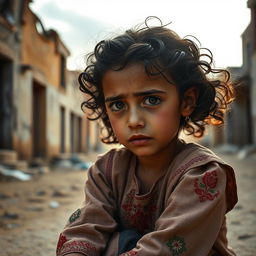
x,y
182,214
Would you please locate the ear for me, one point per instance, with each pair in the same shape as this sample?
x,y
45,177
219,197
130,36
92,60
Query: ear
x,y
189,101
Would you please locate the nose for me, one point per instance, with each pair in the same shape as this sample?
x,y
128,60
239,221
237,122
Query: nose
x,y
136,119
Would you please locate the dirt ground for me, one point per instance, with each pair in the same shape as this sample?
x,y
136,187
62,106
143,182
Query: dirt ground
x,y
32,213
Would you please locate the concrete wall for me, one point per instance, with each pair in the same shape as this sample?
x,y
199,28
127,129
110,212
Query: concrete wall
x,y
22,101
38,50
10,60
253,96
45,117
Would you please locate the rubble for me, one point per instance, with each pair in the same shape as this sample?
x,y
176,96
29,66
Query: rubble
x,y
247,151
70,162
10,215
58,193
3,196
54,204
227,149
9,174
34,208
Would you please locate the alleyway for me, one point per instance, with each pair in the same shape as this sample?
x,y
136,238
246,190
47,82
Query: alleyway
x,y
32,213
242,220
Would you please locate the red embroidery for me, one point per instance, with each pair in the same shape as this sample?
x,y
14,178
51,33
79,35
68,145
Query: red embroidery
x,y
177,245
62,240
210,179
188,164
77,247
138,216
205,186
130,253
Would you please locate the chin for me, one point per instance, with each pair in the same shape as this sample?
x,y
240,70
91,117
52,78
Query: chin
x,y
141,152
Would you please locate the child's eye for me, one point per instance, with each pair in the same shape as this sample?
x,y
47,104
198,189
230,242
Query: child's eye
x,y
152,100
116,106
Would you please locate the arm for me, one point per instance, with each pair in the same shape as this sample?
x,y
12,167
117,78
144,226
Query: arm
x,y
90,227
192,219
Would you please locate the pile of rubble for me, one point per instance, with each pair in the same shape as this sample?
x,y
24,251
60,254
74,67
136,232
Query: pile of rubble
x,y
13,169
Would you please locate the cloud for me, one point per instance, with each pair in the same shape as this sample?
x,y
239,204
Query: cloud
x,y
79,33
82,23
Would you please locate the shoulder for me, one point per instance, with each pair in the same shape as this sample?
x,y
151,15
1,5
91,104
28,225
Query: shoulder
x,y
105,164
112,158
195,155
202,168
112,166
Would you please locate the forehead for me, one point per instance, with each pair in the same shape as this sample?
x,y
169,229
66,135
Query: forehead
x,y
132,78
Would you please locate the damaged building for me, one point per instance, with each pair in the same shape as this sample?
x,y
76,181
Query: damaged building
x,y
40,114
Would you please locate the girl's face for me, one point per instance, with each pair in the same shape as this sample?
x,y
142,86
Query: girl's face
x,y
144,111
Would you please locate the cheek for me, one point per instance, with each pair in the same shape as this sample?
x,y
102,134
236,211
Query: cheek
x,y
168,118
116,125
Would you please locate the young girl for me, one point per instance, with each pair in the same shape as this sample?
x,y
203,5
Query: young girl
x,y
157,195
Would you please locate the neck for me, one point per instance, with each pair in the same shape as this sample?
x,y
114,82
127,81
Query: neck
x,y
158,162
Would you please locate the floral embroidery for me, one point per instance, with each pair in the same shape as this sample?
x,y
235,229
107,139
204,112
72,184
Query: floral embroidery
x,y
130,253
139,216
75,215
176,245
78,247
188,164
205,187
62,240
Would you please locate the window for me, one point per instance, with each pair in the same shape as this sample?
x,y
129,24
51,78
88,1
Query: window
x,y
63,71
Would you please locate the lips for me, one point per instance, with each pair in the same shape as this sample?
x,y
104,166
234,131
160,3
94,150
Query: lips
x,y
139,140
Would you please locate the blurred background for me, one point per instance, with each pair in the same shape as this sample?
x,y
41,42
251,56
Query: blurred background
x,y
43,45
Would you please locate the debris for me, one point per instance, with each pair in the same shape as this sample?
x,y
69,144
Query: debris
x,y
12,225
59,194
10,215
227,149
246,236
83,165
61,163
42,170
35,200
3,196
246,151
75,188
70,162
34,209
80,164
237,223
54,204
15,174
41,193
238,207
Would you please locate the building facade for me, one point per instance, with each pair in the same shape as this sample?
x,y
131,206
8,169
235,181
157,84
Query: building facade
x,y
239,129
241,125
40,114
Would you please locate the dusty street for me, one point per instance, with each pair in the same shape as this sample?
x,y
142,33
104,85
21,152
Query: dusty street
x,y
242,220
32,213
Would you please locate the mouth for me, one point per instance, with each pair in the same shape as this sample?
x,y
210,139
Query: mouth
x,y
139,140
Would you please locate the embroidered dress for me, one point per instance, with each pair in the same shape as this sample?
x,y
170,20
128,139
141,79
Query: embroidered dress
x,y
182,214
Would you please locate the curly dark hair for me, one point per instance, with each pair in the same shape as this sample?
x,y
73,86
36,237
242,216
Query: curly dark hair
x,y
162,52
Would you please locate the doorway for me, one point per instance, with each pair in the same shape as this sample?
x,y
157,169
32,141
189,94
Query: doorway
x,y
6,107
39,120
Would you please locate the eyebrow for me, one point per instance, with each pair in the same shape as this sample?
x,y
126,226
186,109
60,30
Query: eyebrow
x,y
143,93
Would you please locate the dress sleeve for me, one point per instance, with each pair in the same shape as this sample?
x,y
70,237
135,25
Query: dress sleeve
x,y
90,227
194,212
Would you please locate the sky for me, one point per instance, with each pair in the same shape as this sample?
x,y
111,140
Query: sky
x,y
217,24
